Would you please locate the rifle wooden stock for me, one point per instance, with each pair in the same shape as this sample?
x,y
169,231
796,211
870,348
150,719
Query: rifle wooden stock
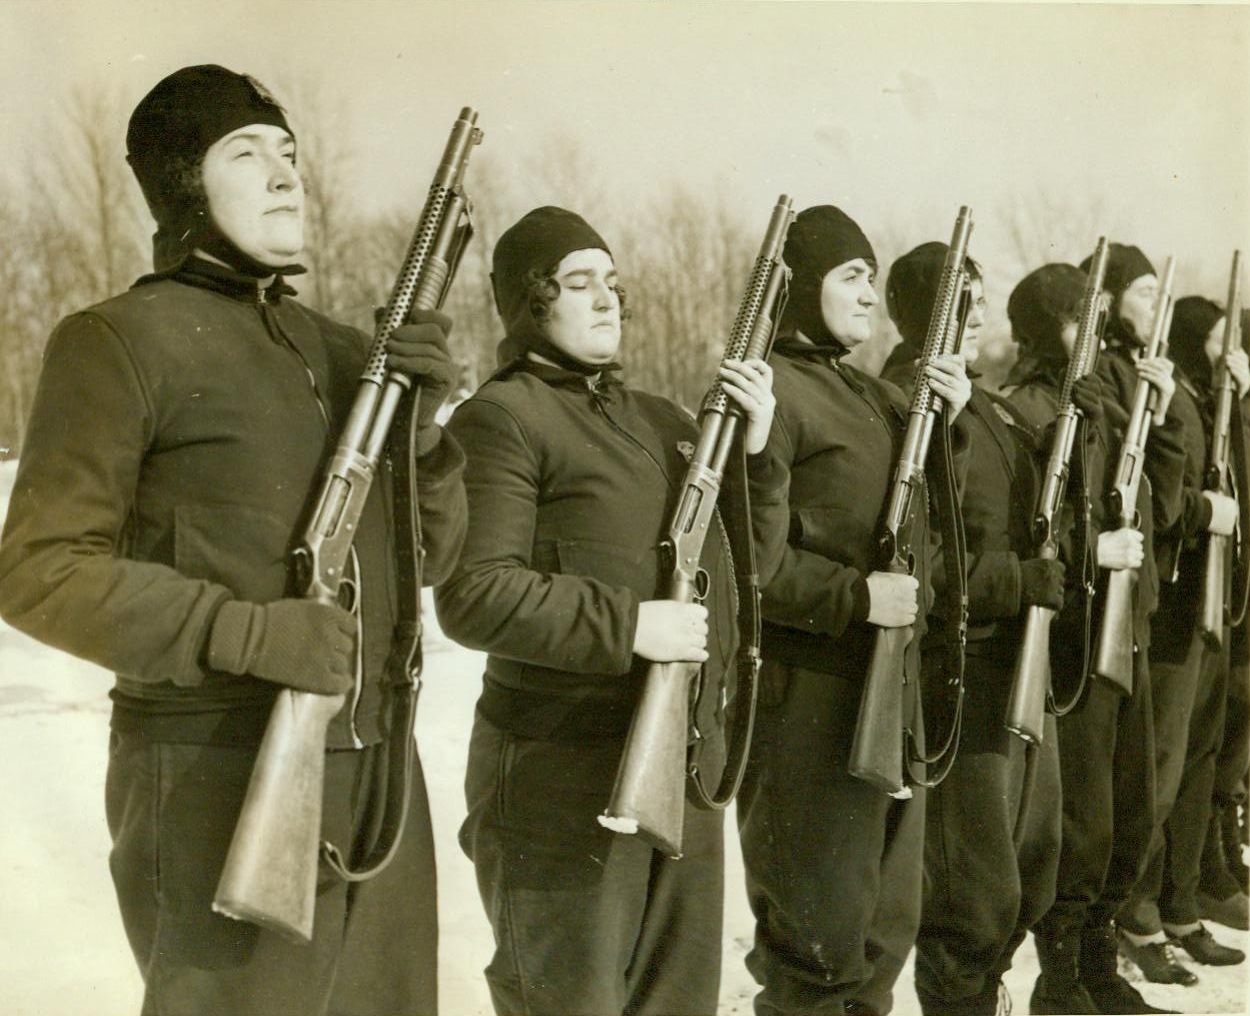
x,y
270,873
268,879
1215,581
877,746
650,792
648,797
1116,645
1031,680
1030,683
1215,589
1114,659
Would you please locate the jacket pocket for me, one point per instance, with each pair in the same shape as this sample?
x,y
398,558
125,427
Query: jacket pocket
x,y
242,548
610,563
836,533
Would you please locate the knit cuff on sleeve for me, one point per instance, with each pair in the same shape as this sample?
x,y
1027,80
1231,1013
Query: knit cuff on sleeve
x,y
236,630
861,600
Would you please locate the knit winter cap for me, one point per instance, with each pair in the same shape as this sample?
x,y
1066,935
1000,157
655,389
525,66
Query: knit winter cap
x,y
1042,303
912,287
1193,317
819,239
1125,265
171,129
535,245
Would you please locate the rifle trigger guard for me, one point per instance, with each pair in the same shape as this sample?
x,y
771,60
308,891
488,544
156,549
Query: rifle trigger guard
x,y
348,596
668,556
702,585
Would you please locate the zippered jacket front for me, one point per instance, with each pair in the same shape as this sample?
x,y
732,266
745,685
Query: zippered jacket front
x,y
571,486
175,445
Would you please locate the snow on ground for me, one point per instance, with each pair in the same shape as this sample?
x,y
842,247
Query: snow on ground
x,y
62,949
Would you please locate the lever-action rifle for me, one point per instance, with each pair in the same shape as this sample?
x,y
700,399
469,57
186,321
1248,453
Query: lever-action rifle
x,y
649,795
270,874
1114,656
877,748
1030,686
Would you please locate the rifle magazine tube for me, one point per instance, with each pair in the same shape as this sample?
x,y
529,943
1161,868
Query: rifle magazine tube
x,y
1114,658
647,800
270,875
877,748
1026,709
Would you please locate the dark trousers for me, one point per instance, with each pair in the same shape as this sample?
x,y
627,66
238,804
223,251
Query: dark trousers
x,y
1106,764
1188,707
172,810
1233,759
587,922
991,851
833,865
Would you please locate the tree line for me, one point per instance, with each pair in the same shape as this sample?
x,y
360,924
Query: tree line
x,y
76,232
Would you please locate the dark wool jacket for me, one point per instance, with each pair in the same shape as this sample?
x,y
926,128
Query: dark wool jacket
x,y
999,497
571,486
1036,396
176,442
1181,548
838,432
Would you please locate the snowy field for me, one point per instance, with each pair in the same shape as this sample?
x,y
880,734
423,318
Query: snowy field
x,y
62,950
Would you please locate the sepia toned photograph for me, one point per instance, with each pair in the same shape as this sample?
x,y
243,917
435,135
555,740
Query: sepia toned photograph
x,y
624,508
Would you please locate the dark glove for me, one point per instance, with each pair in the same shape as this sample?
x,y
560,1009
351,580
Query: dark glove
x,y
419,348
302,644
1087,397
1041,583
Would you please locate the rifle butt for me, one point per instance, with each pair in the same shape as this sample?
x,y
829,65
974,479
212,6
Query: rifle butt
x,y
1114,658
1026,709
1214,586
649,797
877,748
270,874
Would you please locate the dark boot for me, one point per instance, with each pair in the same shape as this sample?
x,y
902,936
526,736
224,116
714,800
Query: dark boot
x,y
1058,988
1109,992
1216,880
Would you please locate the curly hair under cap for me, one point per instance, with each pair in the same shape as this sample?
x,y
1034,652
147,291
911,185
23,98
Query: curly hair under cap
x,y
544,290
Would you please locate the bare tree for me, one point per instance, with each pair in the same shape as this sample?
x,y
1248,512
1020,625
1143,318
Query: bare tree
x,y
78,238
85,199
325,166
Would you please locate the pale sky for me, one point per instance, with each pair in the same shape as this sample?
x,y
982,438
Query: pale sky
x,y
898,113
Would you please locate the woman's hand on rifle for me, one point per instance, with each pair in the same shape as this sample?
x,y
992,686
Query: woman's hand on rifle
x,y
892,599
1239,368
418,348
1121,549
303,644
1223,513
750,384
1087,397
948,378
669,630
1158,371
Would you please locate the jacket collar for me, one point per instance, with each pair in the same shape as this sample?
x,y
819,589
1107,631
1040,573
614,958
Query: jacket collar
x,y
205,274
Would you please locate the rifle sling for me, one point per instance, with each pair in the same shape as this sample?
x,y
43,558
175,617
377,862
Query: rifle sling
x,y
955,565
1084,551
734,506
1241,560
404,664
